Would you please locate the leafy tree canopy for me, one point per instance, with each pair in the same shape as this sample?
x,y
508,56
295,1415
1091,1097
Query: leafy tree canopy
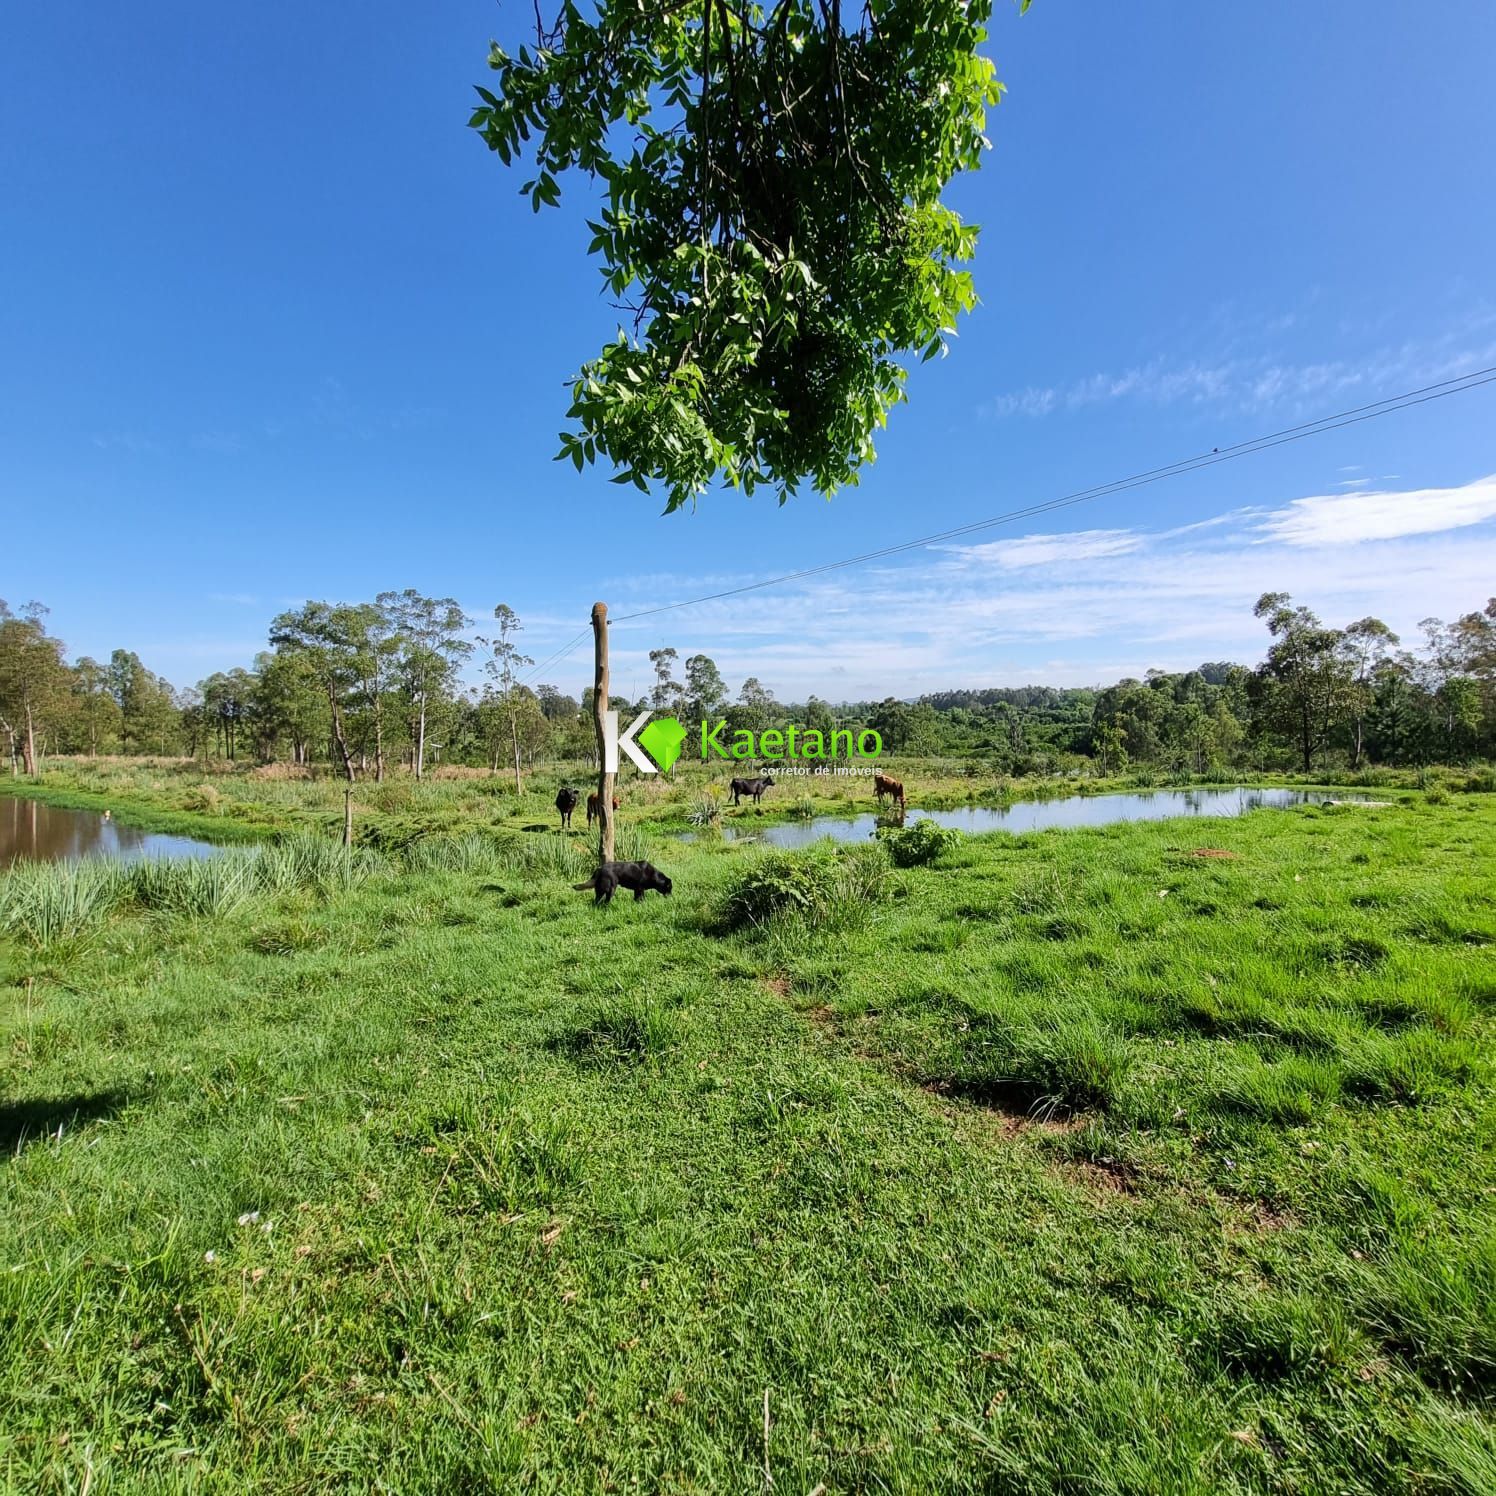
x,y
773,220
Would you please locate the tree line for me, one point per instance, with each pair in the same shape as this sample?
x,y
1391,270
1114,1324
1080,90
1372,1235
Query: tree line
x,y
366,686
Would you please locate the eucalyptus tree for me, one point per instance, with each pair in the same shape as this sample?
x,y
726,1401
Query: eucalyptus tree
x,y
34,682
667,694
96,712
502,668
756,705
432,647
706,692
1304,683
147,710
1366,646
329,642
817,714
1475,635
228,698
192,716
290,704
772,223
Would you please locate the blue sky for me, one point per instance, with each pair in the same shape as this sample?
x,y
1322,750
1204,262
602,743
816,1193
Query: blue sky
x,y
275,326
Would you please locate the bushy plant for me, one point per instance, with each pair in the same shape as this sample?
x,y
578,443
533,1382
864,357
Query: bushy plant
x,y
920,844
816,885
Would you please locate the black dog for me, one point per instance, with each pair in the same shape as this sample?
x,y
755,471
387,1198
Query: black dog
x,y
638,877
566,802
754,787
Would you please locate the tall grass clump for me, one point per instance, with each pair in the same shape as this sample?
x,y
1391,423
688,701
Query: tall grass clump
x,y
550,856
706,809
631,845
46,902
474,853
1065,1061
208,886
632,1029
1432,1303
313,862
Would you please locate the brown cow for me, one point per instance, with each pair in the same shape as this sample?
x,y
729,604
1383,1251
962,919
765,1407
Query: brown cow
x,y
884,785
592,806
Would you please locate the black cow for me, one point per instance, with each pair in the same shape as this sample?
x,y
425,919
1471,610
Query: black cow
x,y
566,802
754,787
637,877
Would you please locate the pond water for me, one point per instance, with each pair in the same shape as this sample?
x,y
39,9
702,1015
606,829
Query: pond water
x,y
1040,815
47,833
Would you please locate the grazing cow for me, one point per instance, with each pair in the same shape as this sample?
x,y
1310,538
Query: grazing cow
x,y
592,806
754,787
637,877
884,785
566,802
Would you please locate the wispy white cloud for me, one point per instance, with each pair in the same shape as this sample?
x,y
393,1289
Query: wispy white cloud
x,y
1351,518
1046,550
134,442
1261,381
1084,607
1080,607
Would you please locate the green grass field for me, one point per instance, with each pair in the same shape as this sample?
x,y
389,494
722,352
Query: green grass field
x,y
1148,1159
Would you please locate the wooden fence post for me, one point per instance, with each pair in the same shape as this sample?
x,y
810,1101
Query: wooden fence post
x,y
599,721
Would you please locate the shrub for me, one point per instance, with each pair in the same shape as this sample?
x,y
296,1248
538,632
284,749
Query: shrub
x,y
816,885
920,844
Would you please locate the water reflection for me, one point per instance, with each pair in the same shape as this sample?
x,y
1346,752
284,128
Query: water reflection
x,y
47,833
1040,815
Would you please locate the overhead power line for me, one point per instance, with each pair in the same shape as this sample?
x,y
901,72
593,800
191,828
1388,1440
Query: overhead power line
x,y
560,654
1356,415
1342,418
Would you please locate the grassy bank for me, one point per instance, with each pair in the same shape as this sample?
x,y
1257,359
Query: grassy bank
x,y
1141,1159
